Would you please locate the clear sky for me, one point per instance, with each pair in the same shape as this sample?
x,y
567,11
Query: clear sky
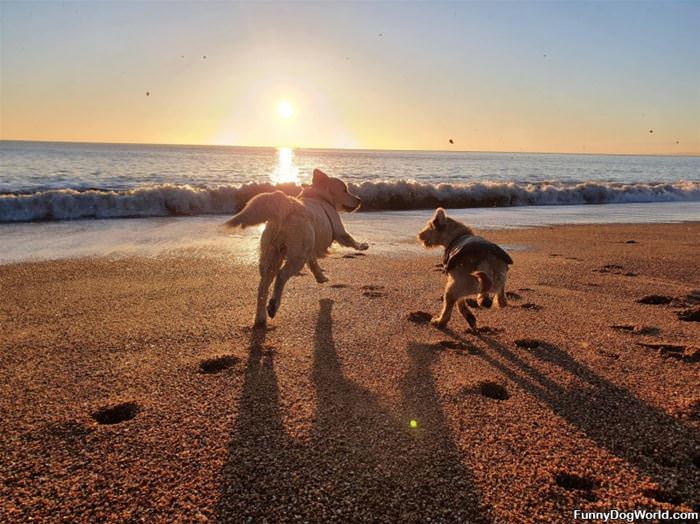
x,y
608,77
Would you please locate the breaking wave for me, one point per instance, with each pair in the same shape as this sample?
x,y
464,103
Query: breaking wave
x,y
185,200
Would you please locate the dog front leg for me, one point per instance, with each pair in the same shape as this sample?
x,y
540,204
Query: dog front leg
x,y
346,240
448,303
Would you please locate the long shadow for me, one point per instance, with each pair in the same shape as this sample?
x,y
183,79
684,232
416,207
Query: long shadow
x,y
656,443
361,463
258,477
384,470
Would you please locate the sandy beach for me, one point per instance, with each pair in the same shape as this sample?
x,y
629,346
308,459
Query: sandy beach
x,y
575,396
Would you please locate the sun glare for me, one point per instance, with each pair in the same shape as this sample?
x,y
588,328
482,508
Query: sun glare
x,y
285,171
285,109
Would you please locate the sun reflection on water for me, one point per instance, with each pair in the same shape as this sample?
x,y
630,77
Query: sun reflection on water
x,y
285,171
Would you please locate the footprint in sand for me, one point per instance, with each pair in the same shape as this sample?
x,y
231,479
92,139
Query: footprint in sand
x,y
655,300
573,482
419,317
615,269
689,315
530,343
217,364
456,345
684,353
493,390
661,495
353,255
115,414
338,286
371,291
608,354
693,297
513,295
531,306
637,329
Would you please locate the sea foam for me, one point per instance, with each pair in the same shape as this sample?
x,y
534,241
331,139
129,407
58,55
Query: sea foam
x,y
186,200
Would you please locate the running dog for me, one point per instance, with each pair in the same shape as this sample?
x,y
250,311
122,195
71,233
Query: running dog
x,y
474,266
298,231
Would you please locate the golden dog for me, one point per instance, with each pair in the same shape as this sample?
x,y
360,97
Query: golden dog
x,y
299,231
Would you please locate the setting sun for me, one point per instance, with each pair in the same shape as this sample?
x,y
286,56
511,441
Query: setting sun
x,y
285,109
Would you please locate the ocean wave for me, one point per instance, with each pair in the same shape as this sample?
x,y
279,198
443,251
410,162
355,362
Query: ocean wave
x,y
185,200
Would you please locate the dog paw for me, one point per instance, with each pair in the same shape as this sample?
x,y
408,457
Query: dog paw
x,y
438,322
322,279
484,301
272,308
364,246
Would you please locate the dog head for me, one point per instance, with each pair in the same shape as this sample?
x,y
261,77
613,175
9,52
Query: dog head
x,y
335,191
441,230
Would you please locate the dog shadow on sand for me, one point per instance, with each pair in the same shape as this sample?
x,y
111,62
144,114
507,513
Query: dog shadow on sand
x,y
657,444
359,463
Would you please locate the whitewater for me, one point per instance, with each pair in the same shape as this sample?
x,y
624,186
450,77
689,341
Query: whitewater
x,y
62,200
58,181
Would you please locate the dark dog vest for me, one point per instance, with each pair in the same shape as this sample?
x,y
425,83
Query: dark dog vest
x,y
471,246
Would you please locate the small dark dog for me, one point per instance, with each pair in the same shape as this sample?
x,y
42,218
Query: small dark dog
x,y
474,266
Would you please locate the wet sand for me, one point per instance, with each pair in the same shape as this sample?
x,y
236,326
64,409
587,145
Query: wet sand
x,y
574,396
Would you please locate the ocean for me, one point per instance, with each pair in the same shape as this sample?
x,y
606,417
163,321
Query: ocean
x,y
71,199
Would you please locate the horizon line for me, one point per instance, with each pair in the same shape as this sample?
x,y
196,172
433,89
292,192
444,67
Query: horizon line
x,y
686,154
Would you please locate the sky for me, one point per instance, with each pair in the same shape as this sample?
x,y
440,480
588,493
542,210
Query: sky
x,y
578,77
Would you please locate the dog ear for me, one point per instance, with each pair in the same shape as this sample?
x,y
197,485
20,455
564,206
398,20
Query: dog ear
x,y
439,218
319,178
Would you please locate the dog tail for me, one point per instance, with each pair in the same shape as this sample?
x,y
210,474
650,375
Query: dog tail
x,y
484,281
265,207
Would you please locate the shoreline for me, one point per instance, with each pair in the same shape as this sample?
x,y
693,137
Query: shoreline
x,y
602,407
388,232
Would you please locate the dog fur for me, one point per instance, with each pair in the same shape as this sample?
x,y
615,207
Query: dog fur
x,y
298,231
475,274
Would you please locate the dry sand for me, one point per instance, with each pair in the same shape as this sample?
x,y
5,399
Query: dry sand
x,y
311,420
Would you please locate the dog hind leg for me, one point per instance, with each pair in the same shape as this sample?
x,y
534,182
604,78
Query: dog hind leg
x,y
317,271
270,262
485,285
466,313
291,267
500,285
